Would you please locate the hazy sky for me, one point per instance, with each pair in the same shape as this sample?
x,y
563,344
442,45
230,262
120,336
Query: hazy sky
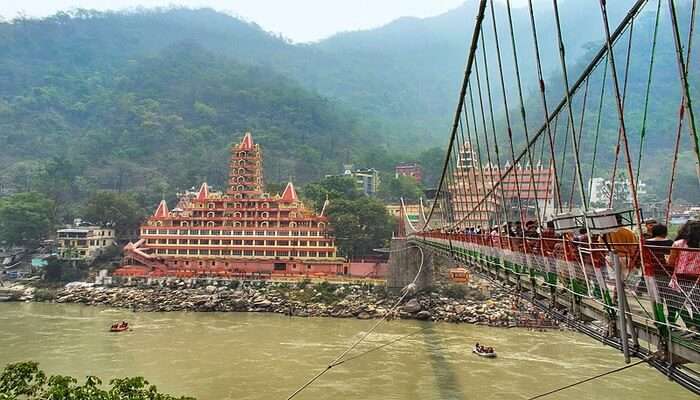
x,y
299,20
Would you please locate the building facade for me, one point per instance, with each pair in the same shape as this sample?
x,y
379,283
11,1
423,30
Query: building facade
x,y
413,170
243,230
521,194
83,243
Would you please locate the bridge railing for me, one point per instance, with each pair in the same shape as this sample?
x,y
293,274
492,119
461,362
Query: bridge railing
x,y
587,269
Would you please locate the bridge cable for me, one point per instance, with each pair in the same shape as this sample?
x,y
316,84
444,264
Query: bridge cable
x,y
486,141
624,100
467,73
580,134
473,157
623,128
492,118
602,52
597,129
408,289
613,371
507,115
565,77
684,69
681,112
484,215
543,96
523,115
379,347
643,130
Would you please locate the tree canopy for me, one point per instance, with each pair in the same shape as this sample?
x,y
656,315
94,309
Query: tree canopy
x,y
25,381
25,217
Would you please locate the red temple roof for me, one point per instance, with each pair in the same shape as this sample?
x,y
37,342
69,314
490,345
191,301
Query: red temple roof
x,y
247,142
162,210
289,195
203,192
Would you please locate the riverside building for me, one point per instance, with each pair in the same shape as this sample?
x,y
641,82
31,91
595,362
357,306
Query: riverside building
x,y
241,231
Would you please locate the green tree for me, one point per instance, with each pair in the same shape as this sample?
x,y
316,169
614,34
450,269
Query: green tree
x,y
394,189
25,217
331,188
360,225
120,209
26,381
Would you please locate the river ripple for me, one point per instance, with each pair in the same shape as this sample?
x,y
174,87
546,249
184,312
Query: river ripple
x,y
242,356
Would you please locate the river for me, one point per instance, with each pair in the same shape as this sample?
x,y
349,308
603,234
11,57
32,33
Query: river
x,y
240,356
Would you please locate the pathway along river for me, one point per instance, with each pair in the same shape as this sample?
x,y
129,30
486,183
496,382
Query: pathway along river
x,y
240,356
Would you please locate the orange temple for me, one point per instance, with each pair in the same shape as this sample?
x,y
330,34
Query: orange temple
x,y
242,232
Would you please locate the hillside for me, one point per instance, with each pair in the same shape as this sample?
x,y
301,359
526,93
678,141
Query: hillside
x,y
164,122
150,100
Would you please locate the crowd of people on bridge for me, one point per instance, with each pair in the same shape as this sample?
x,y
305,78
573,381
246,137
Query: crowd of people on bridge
x,y
675,263
679,256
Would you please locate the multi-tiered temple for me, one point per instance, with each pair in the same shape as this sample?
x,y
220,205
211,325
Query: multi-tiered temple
x,y
242,231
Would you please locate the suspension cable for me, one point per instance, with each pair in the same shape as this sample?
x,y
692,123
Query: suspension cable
x,y
683,69
602,52
488,147
523,114
611,200
613,371
681,113
492,118
407,290
543,95
506,111
565,76
467,74
623,132
597,129
642,132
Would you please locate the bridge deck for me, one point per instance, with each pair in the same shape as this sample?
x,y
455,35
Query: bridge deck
x,y
588,309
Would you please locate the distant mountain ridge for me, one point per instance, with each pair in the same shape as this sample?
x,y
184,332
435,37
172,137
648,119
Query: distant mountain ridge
x,y
181,83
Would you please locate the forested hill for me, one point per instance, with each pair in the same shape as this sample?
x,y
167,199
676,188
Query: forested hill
x,y
150,100
161,122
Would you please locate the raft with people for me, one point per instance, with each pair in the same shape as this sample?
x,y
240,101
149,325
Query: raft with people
x,y
119,327
483,351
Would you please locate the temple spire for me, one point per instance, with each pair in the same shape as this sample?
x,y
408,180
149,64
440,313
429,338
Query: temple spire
x,y
289,195
162,210
247,142
203,192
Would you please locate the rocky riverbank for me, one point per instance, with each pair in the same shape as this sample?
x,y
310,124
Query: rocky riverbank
x,y
473,303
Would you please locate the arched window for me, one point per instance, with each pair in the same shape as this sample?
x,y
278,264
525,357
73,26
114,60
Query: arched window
x,y
265,205
159,223
240,187
236,224
241,179
238,196
264,214
237,205
184,223
241,171
210,214
292,214
292,224
241,162
211,205
264,224
237,214
321,225
210,223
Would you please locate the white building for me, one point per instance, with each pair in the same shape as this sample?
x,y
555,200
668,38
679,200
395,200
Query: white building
x,y
83,243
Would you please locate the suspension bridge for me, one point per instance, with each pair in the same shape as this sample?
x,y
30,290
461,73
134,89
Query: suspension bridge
x,y
520,202
532,130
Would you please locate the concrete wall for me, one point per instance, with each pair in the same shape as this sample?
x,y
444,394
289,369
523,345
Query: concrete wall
x,y
404,263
